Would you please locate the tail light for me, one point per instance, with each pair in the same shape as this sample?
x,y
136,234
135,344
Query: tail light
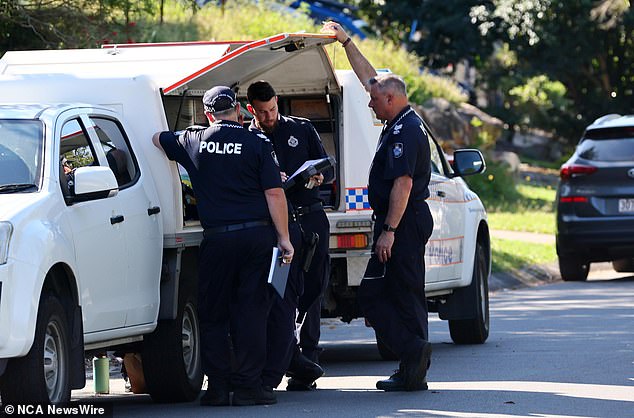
x,y
352,241
573,199
575,170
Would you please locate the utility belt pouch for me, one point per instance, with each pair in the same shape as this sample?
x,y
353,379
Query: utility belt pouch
x,y
310,245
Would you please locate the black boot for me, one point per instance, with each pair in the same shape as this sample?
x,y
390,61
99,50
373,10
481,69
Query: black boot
x,y
303,369
254,396
215,397
298,385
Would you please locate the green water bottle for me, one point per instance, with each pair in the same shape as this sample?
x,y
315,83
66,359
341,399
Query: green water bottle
x,y
101,374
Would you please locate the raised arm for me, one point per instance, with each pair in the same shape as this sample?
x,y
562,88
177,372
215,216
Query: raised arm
x,y
360,64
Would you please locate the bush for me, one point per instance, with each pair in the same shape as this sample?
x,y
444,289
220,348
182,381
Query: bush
x,y
496,187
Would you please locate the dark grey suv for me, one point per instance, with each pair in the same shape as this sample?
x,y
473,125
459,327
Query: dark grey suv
x,y
595,200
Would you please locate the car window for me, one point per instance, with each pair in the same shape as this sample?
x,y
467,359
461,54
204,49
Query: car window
x,y
21,148
120,160
75,149
614,149
436,162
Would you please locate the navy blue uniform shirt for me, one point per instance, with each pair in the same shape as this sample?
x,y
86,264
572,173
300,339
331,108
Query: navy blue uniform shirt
x,y
403,150
296,141
229,168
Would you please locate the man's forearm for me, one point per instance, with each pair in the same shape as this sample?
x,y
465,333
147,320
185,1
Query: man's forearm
x,y
360,64
399,196
276,201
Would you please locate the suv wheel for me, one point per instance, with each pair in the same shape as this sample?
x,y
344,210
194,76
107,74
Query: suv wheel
x,y
43,375
171,354
573,269
476,329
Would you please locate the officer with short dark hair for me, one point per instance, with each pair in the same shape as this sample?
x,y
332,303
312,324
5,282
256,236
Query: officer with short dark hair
x,y
392,292
295,141
242,208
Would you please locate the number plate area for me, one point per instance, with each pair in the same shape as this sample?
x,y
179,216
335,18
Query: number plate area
x,y
626,205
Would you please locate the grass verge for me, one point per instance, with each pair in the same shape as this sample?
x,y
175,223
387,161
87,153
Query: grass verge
x,y
532,211
509,255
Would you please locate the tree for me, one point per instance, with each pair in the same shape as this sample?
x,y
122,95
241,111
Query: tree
x,y
587,46
439,31
35,24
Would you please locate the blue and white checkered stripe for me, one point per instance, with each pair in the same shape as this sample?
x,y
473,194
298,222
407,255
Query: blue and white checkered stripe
x,y
357,199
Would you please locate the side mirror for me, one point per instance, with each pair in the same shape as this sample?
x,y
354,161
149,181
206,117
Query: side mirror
x,y
467,162
94,183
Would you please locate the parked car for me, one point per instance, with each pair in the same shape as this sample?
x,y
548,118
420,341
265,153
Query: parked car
x,y
595,200
342,13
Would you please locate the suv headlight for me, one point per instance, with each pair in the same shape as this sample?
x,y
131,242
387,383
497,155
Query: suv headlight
x,y
5,236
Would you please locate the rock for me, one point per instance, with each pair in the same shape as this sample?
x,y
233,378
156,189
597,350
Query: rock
x,y
462,126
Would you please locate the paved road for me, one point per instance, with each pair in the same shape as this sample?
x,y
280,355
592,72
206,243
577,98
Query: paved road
x,y
557,350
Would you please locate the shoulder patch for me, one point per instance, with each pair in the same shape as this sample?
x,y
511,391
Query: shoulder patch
x,y
397,149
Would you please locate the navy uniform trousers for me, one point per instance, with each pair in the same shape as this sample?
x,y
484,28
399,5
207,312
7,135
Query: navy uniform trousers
x,y
233,299
315,283
395,304
280,331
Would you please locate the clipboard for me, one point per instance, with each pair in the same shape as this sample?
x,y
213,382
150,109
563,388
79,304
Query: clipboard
x,y
278,273
311,167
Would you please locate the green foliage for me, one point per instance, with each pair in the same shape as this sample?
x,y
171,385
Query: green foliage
x,y
597,66
540,103
509,255
496,187
70,23
242,19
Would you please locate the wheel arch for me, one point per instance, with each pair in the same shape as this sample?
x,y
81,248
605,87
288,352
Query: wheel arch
x,y
62,283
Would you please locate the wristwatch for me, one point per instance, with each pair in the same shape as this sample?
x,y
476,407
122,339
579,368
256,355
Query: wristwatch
x,y
388,228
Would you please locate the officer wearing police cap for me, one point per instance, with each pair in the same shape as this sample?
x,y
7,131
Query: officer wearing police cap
x,y
295,141
392,293
243,211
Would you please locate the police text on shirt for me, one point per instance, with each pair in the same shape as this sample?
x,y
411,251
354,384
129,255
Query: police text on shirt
x,y
217,148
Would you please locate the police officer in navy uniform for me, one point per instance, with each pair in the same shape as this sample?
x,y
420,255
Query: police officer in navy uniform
x,y
243,211
392,293
295,141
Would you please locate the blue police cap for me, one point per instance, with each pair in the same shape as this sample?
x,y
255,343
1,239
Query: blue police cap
x,y
219,99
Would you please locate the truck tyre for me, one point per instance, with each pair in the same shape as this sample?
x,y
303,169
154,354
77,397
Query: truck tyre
x,y
171,355
42,376
384,350
475,330
623,265
573,269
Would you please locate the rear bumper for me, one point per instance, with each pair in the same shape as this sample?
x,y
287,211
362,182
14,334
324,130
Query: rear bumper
x,y
596,240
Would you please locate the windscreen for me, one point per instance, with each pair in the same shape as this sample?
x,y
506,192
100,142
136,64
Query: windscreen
x,y
609,144
21,146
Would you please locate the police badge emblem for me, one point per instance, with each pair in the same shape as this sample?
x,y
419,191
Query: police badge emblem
x,y
292,141
397,149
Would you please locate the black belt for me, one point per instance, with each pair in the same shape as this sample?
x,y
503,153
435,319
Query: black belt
x,y
303,210
234,227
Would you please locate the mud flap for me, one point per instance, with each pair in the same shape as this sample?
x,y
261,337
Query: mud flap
x,y
76,356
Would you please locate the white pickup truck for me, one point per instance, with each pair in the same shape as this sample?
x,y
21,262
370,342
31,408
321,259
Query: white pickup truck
x,y
98,231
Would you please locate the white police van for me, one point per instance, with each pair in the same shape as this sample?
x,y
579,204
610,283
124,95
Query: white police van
x,y
106,258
